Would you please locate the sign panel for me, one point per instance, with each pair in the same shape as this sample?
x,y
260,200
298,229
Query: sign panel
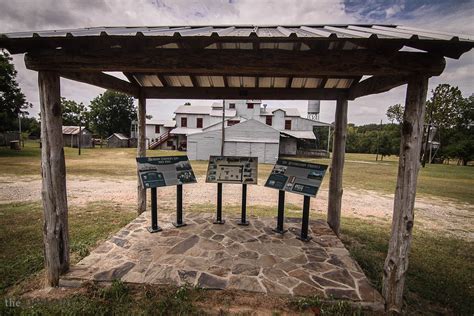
x,y
296,177
165,171
232,169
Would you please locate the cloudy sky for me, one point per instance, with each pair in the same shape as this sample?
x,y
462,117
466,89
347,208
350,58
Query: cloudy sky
x,y
449,16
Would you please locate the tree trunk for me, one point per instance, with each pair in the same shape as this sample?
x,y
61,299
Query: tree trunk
x,y
141,152
396,263
53,168
337,166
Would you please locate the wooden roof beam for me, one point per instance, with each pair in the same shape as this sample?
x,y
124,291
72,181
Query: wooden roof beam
x,y
375,84
248,93
249,63
102,80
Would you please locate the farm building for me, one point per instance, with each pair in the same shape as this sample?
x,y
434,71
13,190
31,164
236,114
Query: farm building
x,y
119,140
240,140
71,137
296,131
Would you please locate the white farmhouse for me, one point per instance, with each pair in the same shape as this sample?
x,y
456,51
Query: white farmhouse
x,y
279,131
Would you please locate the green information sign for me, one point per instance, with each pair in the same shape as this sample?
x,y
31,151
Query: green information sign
x,y
296,177
165,171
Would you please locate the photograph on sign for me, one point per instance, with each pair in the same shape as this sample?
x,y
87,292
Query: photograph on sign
x,y
296,176
165,171
232,169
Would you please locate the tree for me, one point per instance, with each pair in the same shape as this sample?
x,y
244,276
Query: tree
x,y
73,112
112,112
395,113
13,103
443,108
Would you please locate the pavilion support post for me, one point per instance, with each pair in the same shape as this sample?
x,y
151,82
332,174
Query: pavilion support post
x,y
396,263
141,152
337,166
53,169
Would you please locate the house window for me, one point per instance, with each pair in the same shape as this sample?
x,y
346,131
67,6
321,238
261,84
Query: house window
x,y
232,122
169,143
157,129
287,124
184,122
199,122
231,105
249,105
268,120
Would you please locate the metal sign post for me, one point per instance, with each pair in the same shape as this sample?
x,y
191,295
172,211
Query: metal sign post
x,y
281,213
179,207
305,221
154,212
219,219
243,218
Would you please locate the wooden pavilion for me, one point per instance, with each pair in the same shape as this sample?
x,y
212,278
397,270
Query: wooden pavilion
x,y
325,62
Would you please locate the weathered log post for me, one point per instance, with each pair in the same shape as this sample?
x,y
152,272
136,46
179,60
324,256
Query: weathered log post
x,y
337,166
141,151
53,169
396,263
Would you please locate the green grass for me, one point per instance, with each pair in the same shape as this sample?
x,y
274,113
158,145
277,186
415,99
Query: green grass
x,y
441,270
360,172
21,238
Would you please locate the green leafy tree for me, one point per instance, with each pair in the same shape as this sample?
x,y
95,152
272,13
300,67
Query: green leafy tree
x,y
395,113
112,112
13,103
443,109
73,113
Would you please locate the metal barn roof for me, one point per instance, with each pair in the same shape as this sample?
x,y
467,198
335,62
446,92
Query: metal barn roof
x,y
240,61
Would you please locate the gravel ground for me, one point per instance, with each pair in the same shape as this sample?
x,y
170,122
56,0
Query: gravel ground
x,y
448,217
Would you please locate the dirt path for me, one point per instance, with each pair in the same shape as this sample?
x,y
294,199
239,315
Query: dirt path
x,y
449,217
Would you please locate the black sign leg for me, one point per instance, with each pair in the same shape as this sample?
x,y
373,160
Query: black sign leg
x,y
154,212
305,221
281,213
219,219
243,219
179,206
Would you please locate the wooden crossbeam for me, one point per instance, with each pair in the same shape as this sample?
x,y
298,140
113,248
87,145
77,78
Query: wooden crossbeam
x,y
239,93
376,84
102,80
250,63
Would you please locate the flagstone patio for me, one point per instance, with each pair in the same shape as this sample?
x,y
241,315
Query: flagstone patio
x,y
249,258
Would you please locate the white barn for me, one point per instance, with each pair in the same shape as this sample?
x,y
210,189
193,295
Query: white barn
x,y
240,140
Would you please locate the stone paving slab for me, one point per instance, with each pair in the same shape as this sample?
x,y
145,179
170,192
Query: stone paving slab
x,y
250,258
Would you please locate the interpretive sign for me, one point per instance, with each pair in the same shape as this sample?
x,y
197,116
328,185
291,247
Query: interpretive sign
x,y
296,177
165,171
232,169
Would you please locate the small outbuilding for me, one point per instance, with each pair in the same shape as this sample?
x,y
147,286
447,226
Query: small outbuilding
x,y
71,137
119,140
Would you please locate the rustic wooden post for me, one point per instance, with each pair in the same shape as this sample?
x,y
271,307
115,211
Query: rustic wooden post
x,y
337,165
396,263
53,169
141,151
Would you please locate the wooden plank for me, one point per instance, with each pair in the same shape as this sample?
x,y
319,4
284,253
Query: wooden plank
x,y
337,166
53,168
243,62
102,80
376,84
396,263
141,152
239,93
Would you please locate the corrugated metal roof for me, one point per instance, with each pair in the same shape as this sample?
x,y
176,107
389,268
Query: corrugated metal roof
x,y
119,136
185,131
271,31
165,123
300,134
288,111
73,130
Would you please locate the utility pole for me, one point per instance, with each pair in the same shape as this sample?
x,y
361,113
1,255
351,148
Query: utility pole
x,y
19,130
223,128
80,134
378,142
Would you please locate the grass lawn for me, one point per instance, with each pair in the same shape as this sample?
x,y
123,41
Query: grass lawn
x,y
440,274
360,172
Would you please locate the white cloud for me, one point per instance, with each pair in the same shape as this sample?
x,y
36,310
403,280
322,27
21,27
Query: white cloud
x,y
21,15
